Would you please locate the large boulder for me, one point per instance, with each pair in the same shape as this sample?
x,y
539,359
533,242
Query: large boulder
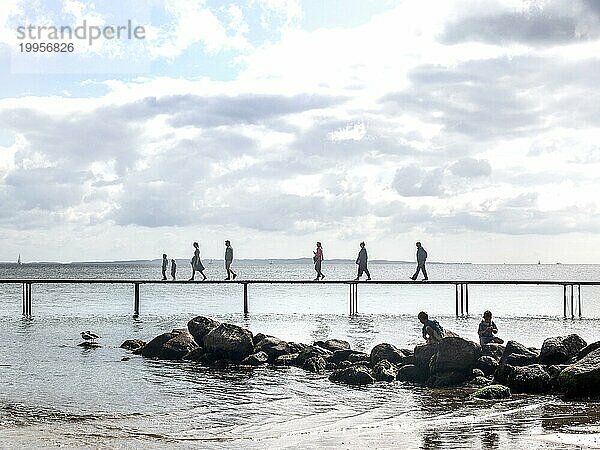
x,y
387,352
354,375
422,356
200,326
310,352
412,374
273,347
558,350
492,392
333,345
445,379
587,350
174,345
385,371
454,354
487,365
582,379
516,354
530,379
230,342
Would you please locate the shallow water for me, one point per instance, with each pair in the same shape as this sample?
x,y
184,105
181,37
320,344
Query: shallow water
x,y
53,392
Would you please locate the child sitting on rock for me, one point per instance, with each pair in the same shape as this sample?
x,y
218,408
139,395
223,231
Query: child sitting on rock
x,y
432,330
487,329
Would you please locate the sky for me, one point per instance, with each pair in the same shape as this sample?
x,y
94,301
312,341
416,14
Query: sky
x,y
471,126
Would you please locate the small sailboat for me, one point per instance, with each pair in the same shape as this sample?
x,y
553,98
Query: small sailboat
x,y
19,260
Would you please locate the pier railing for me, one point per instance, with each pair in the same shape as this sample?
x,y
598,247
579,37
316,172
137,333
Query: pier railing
x,y
572,299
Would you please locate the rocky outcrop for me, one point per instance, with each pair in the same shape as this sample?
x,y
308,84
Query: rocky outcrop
x,y
333,345
229,342
422,357
412,374
315,364
385,371
559,350
516,354
492,392
200,326
352,356
493,350
389,353
582,378
354,375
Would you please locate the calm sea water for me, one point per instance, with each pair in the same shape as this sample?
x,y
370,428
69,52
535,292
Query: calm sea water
x,y
54,393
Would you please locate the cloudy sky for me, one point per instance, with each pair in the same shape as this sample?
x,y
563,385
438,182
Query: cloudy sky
x,y
472,126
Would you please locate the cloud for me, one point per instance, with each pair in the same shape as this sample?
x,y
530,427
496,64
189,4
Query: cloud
x,y
414,181
549,22
471,168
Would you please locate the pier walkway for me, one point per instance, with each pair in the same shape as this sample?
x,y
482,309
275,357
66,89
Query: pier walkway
x,y
572,300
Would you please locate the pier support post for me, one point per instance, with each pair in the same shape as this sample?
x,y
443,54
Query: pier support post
x,y
467,298
579,298
245,299
456,298
136,301
565,301
572,302
461,298
353,298
27,300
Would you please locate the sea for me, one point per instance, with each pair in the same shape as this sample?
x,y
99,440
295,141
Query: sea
x,y
56,394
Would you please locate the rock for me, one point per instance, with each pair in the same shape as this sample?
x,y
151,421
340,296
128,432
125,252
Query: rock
x,y
355,375
89,344
153,348
229,341
385,371
200,326
480,381
222,363
487,365
286,360
530,379
125,358
297,347
454,354
310,352
333,345
352,356
516,354
588,349
445,379
557,350
582,379
492,392
195,355
477,373
493,350
315,364
259,337
387,352
412,374
273,347
174,345
422,357
256,359
133,344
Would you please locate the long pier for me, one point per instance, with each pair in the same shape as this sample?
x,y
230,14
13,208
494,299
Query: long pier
x,y
571,289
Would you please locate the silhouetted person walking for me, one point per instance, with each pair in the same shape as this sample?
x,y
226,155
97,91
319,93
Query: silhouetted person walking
x,y
318,260
165,264
173,269
196,263
229,260
362,262
421,258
